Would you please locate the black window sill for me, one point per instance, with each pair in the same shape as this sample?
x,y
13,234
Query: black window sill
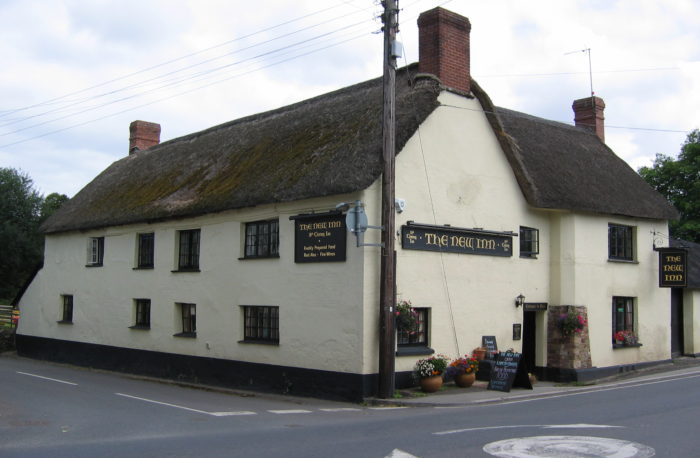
x,y
64,322
94,265
186,270
623,261
143,268
140,326
528,256
616,345
251,258
414,351
190,335
274,343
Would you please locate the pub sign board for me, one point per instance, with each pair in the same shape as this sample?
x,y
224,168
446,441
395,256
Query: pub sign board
x,y
456,240
319,238
673,268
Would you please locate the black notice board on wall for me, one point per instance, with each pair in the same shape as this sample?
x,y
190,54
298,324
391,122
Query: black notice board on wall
x,y
489,342
507,372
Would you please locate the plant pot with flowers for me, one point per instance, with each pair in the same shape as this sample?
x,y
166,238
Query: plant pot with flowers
x,y
463,370
407,319
429,372
626,338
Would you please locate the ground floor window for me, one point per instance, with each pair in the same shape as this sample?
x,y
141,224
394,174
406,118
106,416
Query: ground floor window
x,y
261,324
623,321
412,336
142,313
188,320
66,308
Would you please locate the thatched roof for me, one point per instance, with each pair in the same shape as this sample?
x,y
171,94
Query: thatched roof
x,y
693,260
331,145
559,166
322,146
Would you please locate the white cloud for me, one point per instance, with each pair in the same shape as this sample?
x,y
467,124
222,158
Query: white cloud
x,y
52,48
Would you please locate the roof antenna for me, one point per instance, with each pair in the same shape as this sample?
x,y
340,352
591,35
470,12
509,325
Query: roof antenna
x,y
590,70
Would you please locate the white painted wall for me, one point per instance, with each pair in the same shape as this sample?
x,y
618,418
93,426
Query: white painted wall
x,y
321,304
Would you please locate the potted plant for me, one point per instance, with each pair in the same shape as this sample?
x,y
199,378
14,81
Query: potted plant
x,y
571,323
626,337
479,353
463,370
429,372
406,317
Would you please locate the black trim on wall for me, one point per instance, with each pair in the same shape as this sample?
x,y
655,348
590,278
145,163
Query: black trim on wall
x,y
208,371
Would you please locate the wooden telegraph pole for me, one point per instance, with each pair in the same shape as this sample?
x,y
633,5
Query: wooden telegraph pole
x,y
387,291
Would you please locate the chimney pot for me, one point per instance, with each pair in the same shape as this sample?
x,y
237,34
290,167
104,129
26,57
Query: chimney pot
x,y
143,135
588,113
443,47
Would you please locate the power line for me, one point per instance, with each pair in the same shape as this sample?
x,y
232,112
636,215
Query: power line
x,y
4,112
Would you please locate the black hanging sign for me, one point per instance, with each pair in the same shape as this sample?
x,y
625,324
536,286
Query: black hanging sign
x,y
534,306
319,237
507,372
456,240
673,268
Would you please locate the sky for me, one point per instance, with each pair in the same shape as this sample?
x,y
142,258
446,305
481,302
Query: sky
x,y
77,72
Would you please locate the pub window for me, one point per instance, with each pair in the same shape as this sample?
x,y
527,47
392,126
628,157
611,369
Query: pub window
x,y
262,239
623,318
416,339
529,242
95,251
188,253
142,313
261,324
187,317
145,250
620,242
66,308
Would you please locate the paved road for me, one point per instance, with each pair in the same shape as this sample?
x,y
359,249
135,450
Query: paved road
x,y
56,411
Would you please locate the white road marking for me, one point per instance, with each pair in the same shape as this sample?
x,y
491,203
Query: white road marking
x,y
387,408
162,403
47,378
483,428
396,453
569,446
341,409
289,411
232,414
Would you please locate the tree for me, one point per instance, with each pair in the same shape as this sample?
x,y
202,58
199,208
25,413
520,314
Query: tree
x,y
679,181
22,210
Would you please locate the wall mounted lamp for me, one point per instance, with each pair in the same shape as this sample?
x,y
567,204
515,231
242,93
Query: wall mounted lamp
x,y
519,301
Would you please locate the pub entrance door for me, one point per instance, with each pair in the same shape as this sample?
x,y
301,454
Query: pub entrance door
x,y
677,322
529,341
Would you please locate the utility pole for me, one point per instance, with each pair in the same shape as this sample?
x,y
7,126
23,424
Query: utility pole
x,y
387,288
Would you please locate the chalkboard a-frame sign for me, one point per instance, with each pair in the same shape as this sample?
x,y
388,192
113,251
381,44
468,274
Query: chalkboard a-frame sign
x,y
507,372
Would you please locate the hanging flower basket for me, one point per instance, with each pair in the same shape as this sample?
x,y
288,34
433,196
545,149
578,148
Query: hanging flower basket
x,y
406,317
571,323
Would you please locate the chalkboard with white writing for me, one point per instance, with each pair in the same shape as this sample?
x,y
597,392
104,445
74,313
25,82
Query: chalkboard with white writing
x,y
504,370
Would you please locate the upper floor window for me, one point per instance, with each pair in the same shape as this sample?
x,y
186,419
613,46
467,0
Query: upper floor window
x,y
145,250
529,242
620,242
66,308
95,251
188,258
261,324
262,239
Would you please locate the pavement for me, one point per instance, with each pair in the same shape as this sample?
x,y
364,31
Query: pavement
x,y
451,395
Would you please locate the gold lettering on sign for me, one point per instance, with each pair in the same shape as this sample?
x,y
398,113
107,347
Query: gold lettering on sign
x,y
671,278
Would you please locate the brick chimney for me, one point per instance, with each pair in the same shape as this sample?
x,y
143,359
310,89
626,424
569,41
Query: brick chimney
x,y
443,47
143,135
588,113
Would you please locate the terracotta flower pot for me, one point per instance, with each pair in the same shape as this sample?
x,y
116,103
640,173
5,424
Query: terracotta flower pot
x,y
465,380
479,354
431,384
